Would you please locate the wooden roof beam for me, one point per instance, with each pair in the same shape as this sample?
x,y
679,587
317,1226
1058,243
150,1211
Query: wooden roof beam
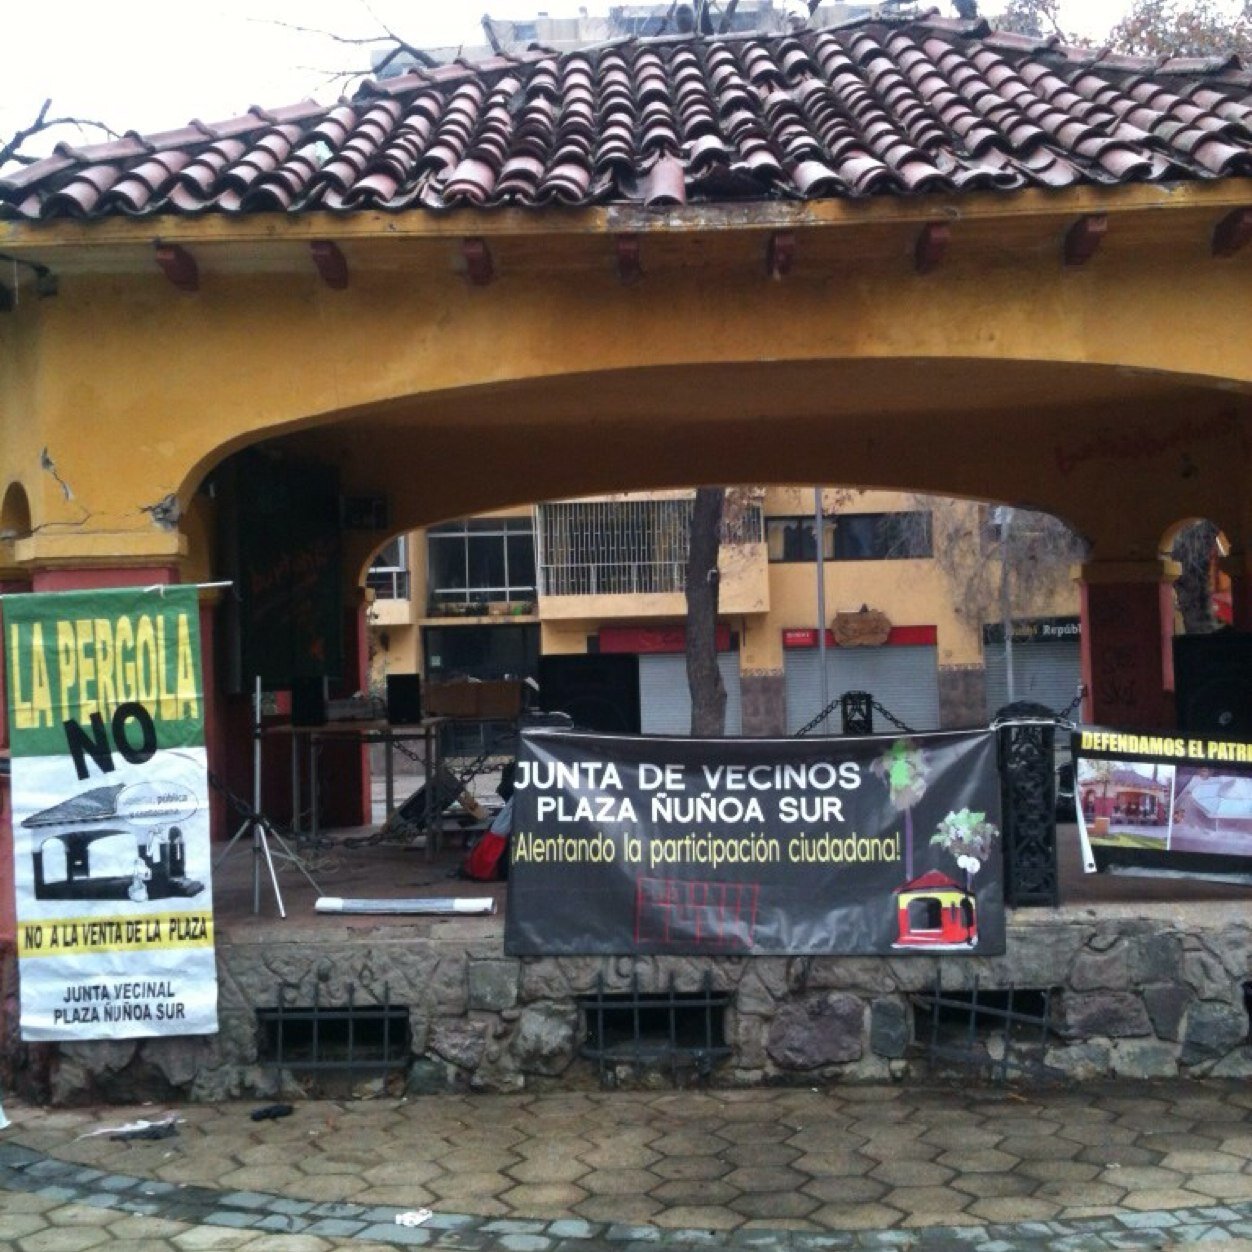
x,y
932,246
629,258
780,254
1084,237
331,263
179,266
479,267
1232,233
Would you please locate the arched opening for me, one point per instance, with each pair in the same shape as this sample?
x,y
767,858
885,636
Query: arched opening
x,y
14,514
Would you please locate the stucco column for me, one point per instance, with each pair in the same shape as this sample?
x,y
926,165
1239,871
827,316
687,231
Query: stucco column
x,y
1127,649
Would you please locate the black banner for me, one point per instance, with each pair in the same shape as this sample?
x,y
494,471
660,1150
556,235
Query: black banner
x,y
1164,804
755,846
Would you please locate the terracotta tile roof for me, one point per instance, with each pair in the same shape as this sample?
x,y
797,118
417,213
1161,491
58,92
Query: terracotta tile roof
x,y
868,109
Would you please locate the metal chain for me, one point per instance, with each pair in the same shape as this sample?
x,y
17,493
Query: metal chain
x,y
891,717
1066,714
830,708
819,719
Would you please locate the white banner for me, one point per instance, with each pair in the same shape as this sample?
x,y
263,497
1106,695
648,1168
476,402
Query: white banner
x,y
110,815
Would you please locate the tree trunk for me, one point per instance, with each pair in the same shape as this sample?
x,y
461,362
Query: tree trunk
x,y
708,693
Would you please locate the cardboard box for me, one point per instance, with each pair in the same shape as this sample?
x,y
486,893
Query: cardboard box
x,y
485,701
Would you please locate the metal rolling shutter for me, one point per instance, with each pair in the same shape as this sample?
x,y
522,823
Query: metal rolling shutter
x,y
1045,672
904,680
665,700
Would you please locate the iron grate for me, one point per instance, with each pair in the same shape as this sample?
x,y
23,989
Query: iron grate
x,y
365,1038
679,1031
958,1026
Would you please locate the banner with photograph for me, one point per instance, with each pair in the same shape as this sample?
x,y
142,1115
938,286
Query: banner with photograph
x,y
110,814
755,846
1163,804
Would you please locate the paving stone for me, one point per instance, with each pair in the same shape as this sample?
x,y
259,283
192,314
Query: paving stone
x,y
1154,1199
1148,1221
1012,1209
1221,1186
63,1239
911,1173
412,1236
15,1225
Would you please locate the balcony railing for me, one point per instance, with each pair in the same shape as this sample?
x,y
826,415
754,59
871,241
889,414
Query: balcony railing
x,y
624,547
389,584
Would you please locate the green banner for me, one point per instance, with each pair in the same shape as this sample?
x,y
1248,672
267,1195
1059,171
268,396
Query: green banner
x,y
95,672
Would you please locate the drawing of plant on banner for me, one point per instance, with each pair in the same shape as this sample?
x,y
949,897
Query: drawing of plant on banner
x,y
904,768
967,837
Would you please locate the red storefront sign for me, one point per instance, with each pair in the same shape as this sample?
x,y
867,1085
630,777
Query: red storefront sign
x,y
900,637
652,639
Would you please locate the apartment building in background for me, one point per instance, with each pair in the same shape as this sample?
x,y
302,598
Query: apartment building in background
x,y
493,596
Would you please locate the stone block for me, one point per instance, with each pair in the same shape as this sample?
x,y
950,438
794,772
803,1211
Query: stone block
x,y
493,985
754,996
864,974
1235,1064
817,1031
747,1038
182,1057
1103,1014
1212,1029
447,992
1107,969
459,1041
426,1077
1147,1058
1039,954
545,1039
889,1028
1156,959
1206,975
1081,1061
1166,1003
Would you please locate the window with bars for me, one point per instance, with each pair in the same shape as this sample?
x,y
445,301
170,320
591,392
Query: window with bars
x,y
624,547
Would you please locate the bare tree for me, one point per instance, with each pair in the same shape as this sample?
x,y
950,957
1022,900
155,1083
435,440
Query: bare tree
x,y
1000,562
1163,28
1195,550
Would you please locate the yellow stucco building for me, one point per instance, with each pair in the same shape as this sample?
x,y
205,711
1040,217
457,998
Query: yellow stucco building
x,y
908,255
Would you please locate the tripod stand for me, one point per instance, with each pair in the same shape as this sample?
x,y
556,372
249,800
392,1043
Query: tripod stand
x,y
258,826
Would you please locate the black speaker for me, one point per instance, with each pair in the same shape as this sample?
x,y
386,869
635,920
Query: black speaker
x,y
308,702
598,692
1213,684
404,699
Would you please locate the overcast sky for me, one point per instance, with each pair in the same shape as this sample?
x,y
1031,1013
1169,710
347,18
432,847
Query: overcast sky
x,y
152,65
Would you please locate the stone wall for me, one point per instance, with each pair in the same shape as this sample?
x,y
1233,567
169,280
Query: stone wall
x,y
1137,997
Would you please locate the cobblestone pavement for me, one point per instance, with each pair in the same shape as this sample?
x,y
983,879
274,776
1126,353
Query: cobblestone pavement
x,y
1083,1169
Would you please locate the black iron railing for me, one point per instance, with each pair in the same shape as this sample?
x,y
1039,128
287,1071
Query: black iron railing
x,y
366,1038
969,1027
683,1032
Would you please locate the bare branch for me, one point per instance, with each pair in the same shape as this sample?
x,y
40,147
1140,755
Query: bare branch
x,y
11,149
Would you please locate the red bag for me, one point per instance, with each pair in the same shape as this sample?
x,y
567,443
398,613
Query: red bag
x,y
487,860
